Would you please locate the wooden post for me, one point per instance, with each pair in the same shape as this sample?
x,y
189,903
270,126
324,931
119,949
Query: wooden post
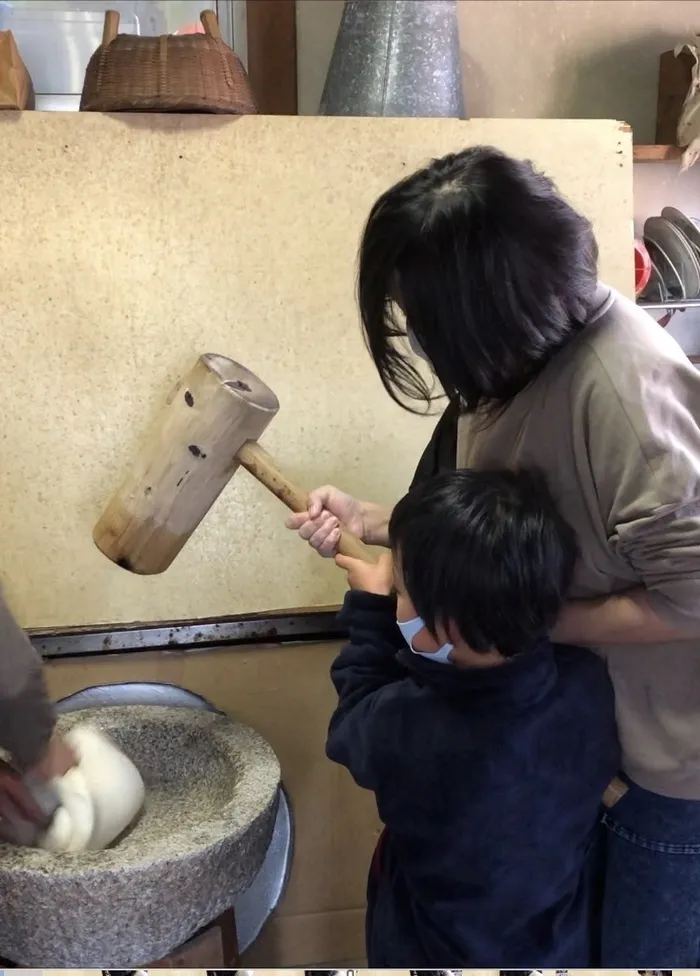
x,y
272,55
213,947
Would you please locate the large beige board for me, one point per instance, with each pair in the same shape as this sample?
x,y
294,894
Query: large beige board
x,y
132,244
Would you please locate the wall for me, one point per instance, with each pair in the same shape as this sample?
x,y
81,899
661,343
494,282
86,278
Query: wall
x,y
136,243
570,58
554,59
317,26
132,243
538,58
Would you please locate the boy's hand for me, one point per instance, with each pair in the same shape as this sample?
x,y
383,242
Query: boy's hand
x,y
375,578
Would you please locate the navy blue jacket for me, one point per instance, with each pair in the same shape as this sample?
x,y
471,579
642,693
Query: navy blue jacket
x,y
489,783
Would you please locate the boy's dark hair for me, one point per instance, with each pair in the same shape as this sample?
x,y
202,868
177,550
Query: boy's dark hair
x,y
494,270
486,552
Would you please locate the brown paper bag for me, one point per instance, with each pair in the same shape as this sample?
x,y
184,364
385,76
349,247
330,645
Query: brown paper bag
x,y
16,89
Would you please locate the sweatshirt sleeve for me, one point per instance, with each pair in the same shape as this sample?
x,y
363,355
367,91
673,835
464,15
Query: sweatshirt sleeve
x,y
369,681
644,450
27,715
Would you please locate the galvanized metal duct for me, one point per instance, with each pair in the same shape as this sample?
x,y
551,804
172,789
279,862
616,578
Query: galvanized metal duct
x,y
396,58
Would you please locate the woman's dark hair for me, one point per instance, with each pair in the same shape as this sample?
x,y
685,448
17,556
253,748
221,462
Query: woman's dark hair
x,y
485,552
492,268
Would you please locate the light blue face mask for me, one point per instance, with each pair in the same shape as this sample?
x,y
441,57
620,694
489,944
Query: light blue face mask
x,y
409,629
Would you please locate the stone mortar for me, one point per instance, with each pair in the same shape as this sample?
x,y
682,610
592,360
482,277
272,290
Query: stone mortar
x,y
212,788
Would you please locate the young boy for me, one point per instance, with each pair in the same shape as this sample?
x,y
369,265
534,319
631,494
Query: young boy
x,y
488,750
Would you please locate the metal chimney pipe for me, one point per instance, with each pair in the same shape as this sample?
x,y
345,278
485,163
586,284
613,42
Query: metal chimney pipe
x,y
396,58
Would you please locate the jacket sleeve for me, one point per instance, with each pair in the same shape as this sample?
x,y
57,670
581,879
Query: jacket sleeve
x,y
369,681
27,715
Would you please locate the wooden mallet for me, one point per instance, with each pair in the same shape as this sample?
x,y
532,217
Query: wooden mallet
x,y
209,428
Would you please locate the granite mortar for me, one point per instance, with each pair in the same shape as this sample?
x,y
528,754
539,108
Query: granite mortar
x,y
212,789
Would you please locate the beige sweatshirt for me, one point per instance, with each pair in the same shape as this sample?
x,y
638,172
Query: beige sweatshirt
x,y
26,713
613,424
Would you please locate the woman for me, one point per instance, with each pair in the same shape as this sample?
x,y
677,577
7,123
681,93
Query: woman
x,y
27,721
495,278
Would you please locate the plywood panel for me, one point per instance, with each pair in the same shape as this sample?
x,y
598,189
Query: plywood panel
x,y
315,939
131,245
286,694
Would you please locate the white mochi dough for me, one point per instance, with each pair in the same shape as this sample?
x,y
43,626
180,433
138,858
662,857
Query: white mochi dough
x,y
100,797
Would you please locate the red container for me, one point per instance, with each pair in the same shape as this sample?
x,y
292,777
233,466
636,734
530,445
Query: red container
x,y
642,267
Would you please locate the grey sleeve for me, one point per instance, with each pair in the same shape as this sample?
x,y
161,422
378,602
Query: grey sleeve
x,y
27,716
645,455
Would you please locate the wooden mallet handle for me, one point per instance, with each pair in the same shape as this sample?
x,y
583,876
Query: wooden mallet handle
x,y
262,466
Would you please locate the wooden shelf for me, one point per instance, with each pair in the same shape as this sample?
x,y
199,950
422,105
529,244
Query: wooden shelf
x,y
656,154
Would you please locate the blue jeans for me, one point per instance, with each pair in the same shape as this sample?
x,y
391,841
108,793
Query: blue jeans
x,y
651,902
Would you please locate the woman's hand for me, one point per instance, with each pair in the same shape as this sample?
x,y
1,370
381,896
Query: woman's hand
x,y
375,578
57,760
16,801
329,509
17,804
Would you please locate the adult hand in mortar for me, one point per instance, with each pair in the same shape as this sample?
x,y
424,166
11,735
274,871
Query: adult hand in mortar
x,y
21,812
27,715
16,801
56,761
99,797
27,741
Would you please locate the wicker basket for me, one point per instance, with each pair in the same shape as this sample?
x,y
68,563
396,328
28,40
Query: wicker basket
x,y
171,73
